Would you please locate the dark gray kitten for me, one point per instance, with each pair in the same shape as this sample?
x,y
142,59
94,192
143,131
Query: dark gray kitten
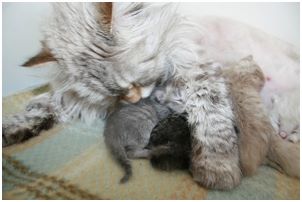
x,y
170,143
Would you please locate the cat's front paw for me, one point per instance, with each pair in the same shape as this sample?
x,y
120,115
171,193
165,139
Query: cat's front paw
x,y
20,127
12,134
214,170
221,175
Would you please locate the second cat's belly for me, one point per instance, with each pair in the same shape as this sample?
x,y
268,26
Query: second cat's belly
x,y
227,41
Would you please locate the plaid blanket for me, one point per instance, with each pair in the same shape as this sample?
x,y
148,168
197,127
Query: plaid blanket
x,y
70,161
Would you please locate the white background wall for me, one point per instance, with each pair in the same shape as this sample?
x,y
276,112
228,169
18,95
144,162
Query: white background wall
x,y
21,33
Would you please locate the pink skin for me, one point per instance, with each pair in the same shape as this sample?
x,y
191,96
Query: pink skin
x,y
283,134
268,78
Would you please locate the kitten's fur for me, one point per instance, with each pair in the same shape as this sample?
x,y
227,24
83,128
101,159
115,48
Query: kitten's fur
x,y
103,51
128,128
170,144
246,80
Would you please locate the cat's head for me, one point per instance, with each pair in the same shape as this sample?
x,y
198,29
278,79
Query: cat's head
x,y
247,72
172,94
113,49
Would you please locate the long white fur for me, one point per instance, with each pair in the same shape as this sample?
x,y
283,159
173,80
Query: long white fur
x,y
96,65
152,41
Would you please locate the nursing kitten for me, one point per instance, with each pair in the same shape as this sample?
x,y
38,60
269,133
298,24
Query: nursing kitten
x,y
246,80
170,143
285,114
128,128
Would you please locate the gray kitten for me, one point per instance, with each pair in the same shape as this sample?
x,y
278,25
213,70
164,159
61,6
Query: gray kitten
x,y
128,128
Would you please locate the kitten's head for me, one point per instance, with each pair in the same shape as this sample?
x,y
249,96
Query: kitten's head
x,y
247,72
112,49
171,94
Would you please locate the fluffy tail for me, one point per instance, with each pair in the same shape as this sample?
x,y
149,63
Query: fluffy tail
x,y
120,154
284,156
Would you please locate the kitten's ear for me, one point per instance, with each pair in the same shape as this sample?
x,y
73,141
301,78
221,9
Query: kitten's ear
x,y
105,14
42,57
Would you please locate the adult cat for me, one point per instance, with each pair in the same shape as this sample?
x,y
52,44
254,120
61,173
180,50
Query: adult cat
x,y
106,51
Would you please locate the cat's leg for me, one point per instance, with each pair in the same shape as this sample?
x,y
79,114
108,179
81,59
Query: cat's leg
x,y
39,115
284,156
215,155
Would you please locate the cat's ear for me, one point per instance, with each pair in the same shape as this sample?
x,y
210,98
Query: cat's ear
x,y
42,57
105,15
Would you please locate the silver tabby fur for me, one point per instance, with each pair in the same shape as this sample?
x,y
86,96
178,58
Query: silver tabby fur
x,y
145,43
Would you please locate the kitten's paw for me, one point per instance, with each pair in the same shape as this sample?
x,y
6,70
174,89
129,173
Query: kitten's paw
x,y
213,169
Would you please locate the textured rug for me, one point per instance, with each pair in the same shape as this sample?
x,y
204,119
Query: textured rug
x,y
70,161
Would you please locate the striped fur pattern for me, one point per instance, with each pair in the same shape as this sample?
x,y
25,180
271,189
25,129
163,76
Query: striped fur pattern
x,y
215,155
38,116
98,62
